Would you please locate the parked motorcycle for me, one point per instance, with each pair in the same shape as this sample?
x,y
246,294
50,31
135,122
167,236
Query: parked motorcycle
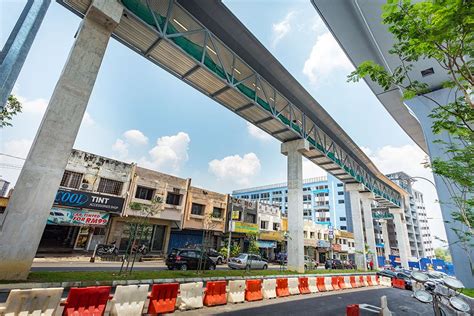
x,y
107,249
142,249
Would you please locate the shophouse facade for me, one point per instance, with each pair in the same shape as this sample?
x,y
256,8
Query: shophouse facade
x,y
242,223
270,233
156,202
92,192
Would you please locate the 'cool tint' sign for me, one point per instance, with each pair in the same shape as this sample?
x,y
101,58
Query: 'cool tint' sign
x,y
89,200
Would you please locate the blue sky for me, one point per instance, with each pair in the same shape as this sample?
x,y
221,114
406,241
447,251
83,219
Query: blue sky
x,y
138,112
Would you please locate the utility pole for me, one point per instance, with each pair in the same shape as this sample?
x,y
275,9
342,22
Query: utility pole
x,y
230,228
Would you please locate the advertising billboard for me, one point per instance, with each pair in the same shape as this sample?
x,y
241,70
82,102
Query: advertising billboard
x,y
76,217
89,200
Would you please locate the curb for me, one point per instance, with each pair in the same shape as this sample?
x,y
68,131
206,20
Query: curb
x,y
10,286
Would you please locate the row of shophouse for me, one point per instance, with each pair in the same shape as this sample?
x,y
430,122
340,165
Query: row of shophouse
x,y
97,198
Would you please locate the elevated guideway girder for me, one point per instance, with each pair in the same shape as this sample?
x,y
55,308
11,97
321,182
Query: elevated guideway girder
x,y
251,83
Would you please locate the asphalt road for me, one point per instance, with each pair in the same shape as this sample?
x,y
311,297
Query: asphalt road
x,y
400,302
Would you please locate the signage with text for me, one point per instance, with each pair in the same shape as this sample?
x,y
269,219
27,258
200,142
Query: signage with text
x,y
89,200
241,227
271,235
62,216
382,215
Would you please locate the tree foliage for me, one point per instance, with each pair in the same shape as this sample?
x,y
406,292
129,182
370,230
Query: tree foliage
x,y
442,254
442,31
10,109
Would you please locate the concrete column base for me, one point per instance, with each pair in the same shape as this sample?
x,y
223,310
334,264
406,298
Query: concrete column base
x,y
293,150
367,198
22,225
359,239
402,235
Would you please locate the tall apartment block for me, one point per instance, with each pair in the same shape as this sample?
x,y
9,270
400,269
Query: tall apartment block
x,y
323,198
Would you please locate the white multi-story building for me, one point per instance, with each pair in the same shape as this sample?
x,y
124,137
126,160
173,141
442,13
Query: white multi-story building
x,y
427,241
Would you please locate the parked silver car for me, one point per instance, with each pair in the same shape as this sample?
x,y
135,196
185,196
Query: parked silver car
x,y
247,261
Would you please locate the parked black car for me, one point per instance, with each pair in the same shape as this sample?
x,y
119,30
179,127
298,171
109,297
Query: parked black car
x,y
188,259
333,264
398,275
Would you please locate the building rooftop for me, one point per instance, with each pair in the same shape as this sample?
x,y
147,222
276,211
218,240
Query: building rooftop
x,y
279,185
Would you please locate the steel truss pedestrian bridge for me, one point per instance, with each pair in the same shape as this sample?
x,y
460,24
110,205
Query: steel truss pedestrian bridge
x,y
205,45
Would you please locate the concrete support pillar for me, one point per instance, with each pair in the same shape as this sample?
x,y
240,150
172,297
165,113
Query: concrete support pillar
x,y
293,150
23,223
402,235
357,224
386,240
367,198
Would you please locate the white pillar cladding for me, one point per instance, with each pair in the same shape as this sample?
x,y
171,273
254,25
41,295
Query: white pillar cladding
x,y
357,224
386,239
422,108
367,199
402,235
293,150
25,218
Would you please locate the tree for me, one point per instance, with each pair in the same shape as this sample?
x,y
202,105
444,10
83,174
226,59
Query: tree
x,y
442,254
441,30
10,109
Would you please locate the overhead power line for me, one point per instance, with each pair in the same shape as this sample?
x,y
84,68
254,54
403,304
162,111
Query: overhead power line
x,y
11,156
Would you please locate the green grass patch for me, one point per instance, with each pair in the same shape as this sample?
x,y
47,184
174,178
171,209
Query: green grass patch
x,y
468,292
70,276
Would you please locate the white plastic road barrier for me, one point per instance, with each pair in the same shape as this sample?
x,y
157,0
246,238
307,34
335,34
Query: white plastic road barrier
x,y
129,300
269,288
364,281
190,296
385,281
312,284
236,291
384,311
373,278
293,286
41,302
347,282
328,284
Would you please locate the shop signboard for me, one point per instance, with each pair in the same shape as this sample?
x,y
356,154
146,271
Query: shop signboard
x,y
271,235
89,200
266,208
323,244
310,243
382,215
336,247
331,232
244,203
76,217
266,244
242,227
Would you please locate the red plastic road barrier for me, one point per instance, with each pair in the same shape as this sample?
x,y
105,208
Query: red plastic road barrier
x,y
215,293
340,282
320,284
86,301
398,283
303,286
282,287
361,281
163,298
369,280
335,283
253,291
354,283
352,310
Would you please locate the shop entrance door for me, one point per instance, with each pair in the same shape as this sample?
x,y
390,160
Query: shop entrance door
x,y
158,238
58,238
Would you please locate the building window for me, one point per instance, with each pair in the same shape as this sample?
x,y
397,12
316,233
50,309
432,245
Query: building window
x,y
71,179
173,199
340,184
311,235
264,225
110,186
340,193
276,226
340,201
342,219
197,209
265,195
254,196
217,212
250,218
144,193
2,209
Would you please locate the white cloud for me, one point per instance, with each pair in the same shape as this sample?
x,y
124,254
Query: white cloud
x,y
121,148
236,169
282,28
170,152
87,119
36,106
326,57
135,137
409,159
256,132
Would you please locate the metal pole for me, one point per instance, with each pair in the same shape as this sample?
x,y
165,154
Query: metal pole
x,y
230,229
93,254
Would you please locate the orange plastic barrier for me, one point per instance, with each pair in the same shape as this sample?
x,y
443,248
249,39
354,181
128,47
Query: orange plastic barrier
x,y
86,301
361,281
320,284
398,283
335,283
303,285
253,291
369,280
282,288
354,282
215,293
340,282
163,298
352,310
